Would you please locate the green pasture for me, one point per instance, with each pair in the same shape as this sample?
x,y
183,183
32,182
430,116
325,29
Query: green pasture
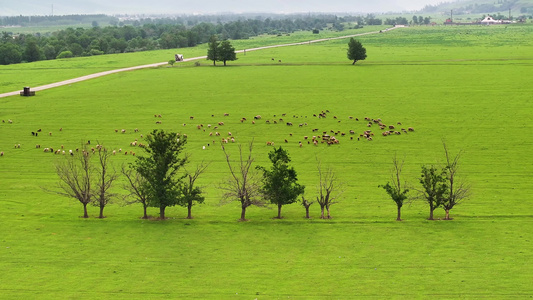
x,y
15,77
468,86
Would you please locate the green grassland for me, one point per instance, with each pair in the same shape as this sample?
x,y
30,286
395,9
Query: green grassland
x,y
15,77
470,86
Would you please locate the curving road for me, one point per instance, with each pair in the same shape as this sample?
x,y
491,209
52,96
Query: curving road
x,y
100,74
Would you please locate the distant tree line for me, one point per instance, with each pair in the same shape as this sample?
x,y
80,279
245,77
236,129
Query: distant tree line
x,y
149,36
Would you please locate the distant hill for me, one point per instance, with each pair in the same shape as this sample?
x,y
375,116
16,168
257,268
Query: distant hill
x,y
482,7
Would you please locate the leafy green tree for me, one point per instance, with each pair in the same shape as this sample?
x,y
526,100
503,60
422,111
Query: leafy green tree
x,y
191,193
280,185
65,54
356,51
213,49
434,187
10,54
226,52
32,52
160,168
396,189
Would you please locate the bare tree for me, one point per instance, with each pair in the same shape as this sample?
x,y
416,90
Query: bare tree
x,y
106,178
190,192
394,188
137,187
329,189
243,184
457,190
306,204
75,177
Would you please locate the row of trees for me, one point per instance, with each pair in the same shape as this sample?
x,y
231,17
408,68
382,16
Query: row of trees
x,y
160,179
439,186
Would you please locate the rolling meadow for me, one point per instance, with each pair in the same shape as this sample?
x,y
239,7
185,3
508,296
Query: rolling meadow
x,y
467,86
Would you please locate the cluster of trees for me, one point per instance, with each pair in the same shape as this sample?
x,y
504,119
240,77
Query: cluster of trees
x,y
160,179
25,21
220,51
439,186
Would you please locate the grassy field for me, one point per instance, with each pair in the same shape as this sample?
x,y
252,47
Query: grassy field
x,y
15,77
468,86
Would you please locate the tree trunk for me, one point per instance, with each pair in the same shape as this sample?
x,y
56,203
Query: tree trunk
x,y
145,215
101,212
307,212
327,208
354,62
430,213
279,211
189,210
214,63
322,212
224,63
399,218
447,214
85,215
243,214
162,212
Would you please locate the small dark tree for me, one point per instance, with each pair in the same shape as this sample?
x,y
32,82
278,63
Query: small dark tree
x,y
160,168
356,51
192,194
306,204
137,188
280,185
226,52
75,177
395,190
213,49
434,187
457,190
243,184
328,190
106,176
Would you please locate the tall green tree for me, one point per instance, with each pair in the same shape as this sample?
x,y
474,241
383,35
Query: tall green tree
x,y
213,49
160,167
434,187
10,54
280,183
226,52
395,188
32,52
356,51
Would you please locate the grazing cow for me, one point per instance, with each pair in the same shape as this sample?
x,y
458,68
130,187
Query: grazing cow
x,y
61,129
211,134
315,142
33,133
232,139
46,150
37,146
286,141
229,133
70,152
123,131
258,117
391,127
2,153
270,143
191,118
369,125
198,127
50,133
253,122
306,137
114,152
220,123
217,133
397,133
399,123
289,124
411,129
352,132
300,144
369,138
116,130
385,133
226,115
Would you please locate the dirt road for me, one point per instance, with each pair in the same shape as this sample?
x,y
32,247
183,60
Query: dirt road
x,y
100,74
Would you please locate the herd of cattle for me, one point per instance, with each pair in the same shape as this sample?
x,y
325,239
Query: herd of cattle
x,y
315,136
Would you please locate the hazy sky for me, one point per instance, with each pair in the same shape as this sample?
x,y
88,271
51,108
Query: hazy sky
x,y
62,7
